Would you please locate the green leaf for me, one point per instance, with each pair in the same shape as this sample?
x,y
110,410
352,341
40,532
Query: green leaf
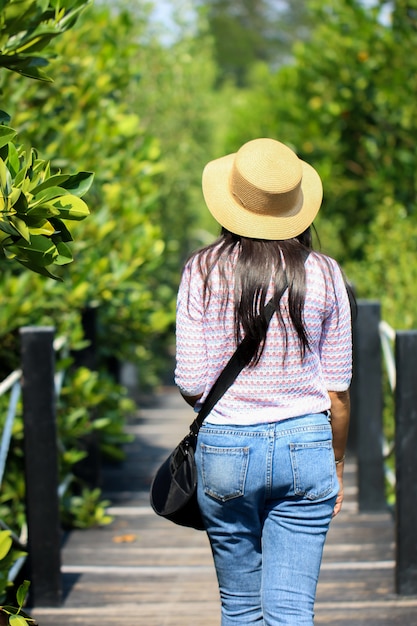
x,y
14,197
12,610
64,254
17,620
21,227
36,42
36,73
8,228
61,229
22,592
39,270
4,117
5,543
43,227
53,181
13,161
101,422
79,184
5,179
40,251
6,135
69,19
25,65
42,211
71,208
46,195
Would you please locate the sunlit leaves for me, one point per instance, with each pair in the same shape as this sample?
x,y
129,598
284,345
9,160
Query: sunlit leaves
x,y
93,118
28,26
29,198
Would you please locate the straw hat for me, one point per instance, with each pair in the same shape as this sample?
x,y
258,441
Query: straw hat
x,y
263,191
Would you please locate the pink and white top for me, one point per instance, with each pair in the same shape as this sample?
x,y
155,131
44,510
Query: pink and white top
x,y
280,386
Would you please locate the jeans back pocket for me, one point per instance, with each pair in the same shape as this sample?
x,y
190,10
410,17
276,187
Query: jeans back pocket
x,y
223,471
313,469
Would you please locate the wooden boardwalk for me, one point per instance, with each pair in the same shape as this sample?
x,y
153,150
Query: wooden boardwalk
x,y
144,571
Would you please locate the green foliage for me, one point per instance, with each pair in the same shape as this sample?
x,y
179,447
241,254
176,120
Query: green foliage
x,y
247,32
388,272
33,204
8,556
27,27
90,406
345,104
12,494
139,116
85,510
91,403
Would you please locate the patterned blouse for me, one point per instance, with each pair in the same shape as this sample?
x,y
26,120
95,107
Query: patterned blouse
x,y
282,385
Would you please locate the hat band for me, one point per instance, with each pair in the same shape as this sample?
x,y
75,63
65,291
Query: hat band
x,y
258,200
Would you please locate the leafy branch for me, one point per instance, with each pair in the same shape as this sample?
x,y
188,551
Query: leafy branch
x,y
27,27
11,615
33,205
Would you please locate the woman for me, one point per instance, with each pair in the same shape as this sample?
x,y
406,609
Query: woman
x,y
270,455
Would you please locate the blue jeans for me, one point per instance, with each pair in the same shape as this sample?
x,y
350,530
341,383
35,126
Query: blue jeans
x,y
267,494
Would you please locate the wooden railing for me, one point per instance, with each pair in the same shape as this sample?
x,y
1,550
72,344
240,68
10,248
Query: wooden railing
x,y
39,385
373,340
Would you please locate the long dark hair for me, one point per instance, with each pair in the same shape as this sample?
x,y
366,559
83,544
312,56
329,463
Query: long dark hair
x,y
259,262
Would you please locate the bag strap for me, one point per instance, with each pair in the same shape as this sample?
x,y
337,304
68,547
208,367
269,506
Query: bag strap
x,y
242,356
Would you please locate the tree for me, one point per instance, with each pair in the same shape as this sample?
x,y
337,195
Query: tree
x,y
346,104
33,203
250,31
140,115
27,27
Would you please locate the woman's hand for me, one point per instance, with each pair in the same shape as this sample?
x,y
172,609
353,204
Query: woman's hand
x,y
340,495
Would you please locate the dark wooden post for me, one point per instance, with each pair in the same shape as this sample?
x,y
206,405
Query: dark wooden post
x,y
367,407
87,357
41,463
406,461
88,470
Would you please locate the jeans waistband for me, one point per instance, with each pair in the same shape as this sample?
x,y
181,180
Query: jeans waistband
x,y
314,420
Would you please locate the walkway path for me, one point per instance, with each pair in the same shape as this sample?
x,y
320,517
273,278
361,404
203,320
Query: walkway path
x,y
144,571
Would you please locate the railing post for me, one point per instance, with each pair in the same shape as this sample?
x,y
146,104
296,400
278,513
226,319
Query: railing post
x,y
406,461
41,463
87,357
367,407
88,470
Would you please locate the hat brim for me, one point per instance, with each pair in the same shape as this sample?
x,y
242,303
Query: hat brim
x,y
237,219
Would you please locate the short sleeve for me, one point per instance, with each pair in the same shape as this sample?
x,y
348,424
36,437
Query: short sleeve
x,y
336,338
191,353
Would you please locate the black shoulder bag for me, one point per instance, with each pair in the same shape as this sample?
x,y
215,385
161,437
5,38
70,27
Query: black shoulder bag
x,y
173,491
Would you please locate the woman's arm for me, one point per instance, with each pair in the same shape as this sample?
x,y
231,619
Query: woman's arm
x,y
191,352
340,415
191,400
